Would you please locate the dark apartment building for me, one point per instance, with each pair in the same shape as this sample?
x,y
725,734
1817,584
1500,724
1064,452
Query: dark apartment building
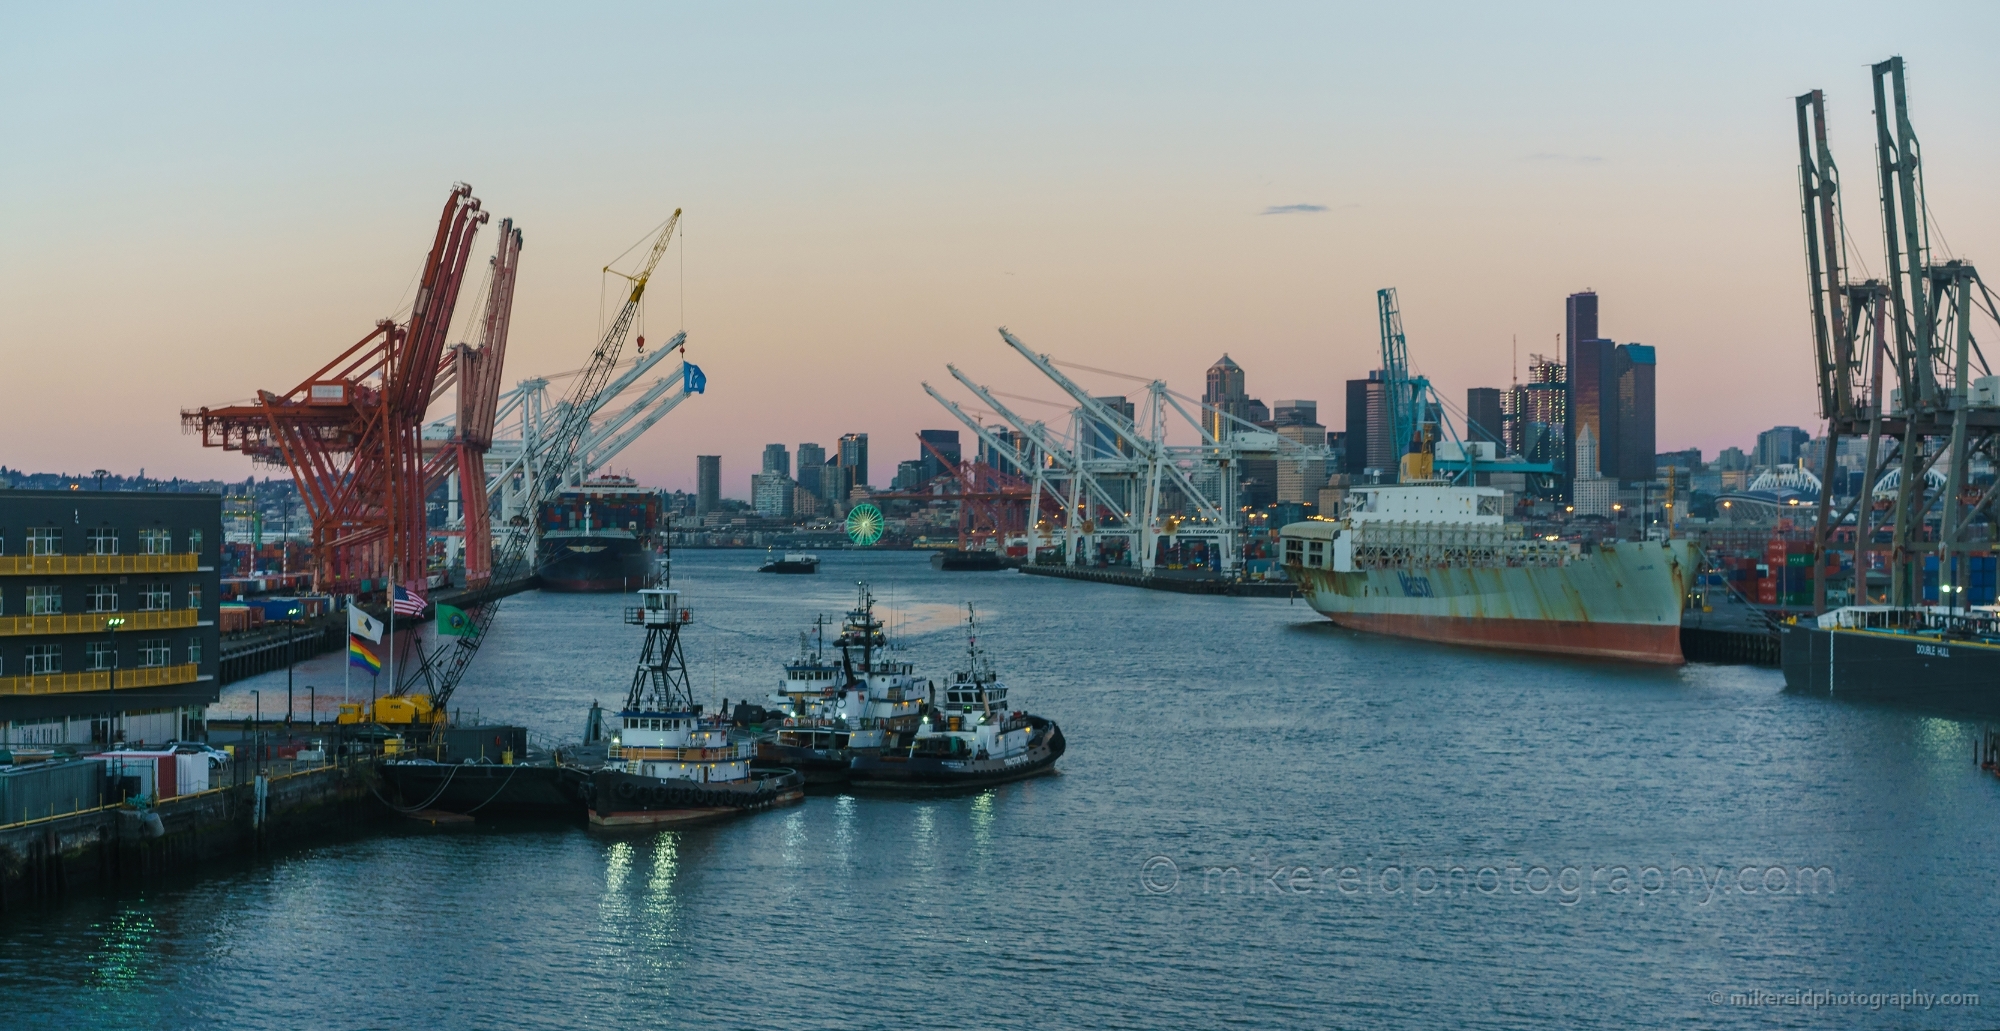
x,y
108,607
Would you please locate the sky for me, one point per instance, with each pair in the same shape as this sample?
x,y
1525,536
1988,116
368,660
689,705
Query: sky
x,y
200,202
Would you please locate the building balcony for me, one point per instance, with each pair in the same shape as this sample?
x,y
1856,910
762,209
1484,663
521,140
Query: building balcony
x,y
61,565
99,622
85,683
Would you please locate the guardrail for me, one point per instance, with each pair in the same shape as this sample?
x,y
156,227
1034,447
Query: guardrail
x,y
99,622
62,565
83,683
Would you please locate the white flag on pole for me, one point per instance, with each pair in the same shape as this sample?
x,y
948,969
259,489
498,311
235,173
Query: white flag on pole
x,y
361,624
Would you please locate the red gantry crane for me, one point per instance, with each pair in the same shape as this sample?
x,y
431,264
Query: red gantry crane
x,y
476,371
350,432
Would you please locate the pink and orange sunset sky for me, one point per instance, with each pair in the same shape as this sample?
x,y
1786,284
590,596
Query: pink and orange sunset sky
x,y
201,202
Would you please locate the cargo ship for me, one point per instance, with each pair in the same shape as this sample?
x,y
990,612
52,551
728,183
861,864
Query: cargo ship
x,y
1929,657
1437,562
600,536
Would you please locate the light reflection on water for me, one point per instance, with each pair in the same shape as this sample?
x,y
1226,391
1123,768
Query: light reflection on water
x,y
1207,732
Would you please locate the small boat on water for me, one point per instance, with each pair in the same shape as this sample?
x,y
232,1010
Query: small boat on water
x,y
837,711
666,762
792,562
972,741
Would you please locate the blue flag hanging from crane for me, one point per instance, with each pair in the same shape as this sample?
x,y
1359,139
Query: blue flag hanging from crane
x,y
692,381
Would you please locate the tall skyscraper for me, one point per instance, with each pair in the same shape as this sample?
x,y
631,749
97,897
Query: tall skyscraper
x,y
812,459
1297,481
944,442
1224,392
1781,445
1483,419
853,456
1541,422
1636,416
707,483
998,459
1369,438
1109,441
777,460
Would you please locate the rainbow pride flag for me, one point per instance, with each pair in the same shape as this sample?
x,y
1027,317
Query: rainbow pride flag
x,y
363,654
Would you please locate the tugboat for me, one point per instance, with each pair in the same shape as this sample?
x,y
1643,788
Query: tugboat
x,y
667,764
973,741
791,563
836,713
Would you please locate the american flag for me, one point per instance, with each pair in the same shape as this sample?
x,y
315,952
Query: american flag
x,y
408,603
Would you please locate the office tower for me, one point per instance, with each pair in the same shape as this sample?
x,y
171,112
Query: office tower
x,y
707,483
853,456
1483,418
997,459
812,459
1294,413
1224,393
909,476
943,442
1368,434
1299,421
771,495
1109,440
1636,416
1542,418
1780,445
777,460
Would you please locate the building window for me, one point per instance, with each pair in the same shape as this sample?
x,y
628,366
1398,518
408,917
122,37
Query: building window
x,y
194,652
44,601
194,541
154,652
153,598
98,656
102,598
156,542
194,596
44,659
45,540
104,541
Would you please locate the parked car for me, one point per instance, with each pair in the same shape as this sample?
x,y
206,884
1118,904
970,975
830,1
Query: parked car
x,y
216,756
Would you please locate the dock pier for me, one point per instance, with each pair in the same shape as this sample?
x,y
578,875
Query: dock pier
x,y
1175,581
108,845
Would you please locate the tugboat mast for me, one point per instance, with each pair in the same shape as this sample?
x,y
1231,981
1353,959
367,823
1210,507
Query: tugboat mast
x,y
660,683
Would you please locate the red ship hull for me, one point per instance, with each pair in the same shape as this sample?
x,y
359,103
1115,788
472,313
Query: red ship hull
x,y
1631,642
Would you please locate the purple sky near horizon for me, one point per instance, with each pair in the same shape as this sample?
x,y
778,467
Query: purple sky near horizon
x,y
203,203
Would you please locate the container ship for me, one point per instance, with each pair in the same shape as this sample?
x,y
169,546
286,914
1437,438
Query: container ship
x,y
1437,562
600,536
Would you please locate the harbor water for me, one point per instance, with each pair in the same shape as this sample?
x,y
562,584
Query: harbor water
x,y
1262,821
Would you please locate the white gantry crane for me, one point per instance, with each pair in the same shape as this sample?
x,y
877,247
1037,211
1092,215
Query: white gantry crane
x,y
1122,482
526,419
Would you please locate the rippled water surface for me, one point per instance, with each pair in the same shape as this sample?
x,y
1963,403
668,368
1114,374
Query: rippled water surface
x,y
1262,821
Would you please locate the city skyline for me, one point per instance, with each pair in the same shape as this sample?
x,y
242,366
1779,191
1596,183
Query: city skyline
x,y
1154,194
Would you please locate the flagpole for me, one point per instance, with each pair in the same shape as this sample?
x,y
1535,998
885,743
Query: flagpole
x,y
347,660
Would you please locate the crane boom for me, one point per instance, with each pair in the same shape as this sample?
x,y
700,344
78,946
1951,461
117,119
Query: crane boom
x,y
442,669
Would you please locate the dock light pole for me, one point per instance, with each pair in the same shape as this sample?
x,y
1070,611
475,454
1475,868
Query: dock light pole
x,y
257,724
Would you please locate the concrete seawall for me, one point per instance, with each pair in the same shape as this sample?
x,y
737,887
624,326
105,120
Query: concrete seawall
x,y
43,860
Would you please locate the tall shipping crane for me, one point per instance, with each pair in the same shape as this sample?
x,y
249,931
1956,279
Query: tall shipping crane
x,y
557,453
